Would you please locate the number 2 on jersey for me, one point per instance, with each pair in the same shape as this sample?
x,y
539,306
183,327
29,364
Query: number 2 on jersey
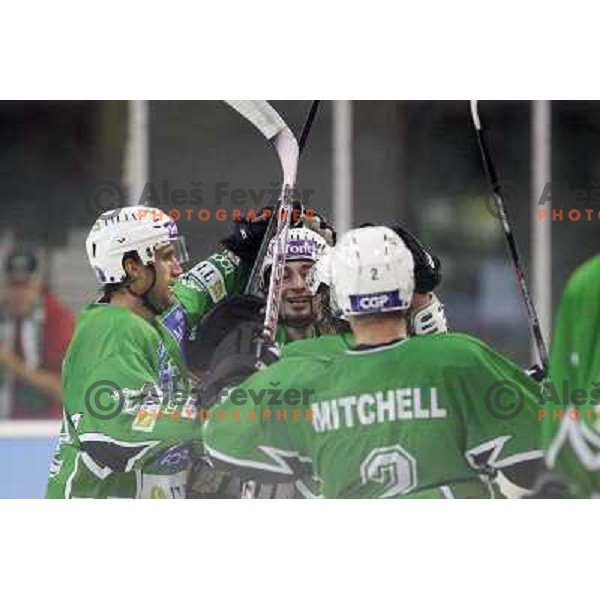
x,y
392,466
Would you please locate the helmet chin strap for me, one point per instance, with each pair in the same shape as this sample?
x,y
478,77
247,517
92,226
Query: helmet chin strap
x,y
145,296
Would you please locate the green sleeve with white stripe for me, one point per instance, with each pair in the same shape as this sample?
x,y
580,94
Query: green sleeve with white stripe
x,y
199,289
572,425
263,428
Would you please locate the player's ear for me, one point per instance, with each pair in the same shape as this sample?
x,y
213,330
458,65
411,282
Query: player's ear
x,y
133,266
420,300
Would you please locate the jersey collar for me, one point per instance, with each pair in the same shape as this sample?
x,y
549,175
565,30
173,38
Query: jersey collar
x,y
368,349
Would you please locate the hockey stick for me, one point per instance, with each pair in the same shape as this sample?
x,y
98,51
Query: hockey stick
x,y
265,118
254,279
490,172
312,113
260,117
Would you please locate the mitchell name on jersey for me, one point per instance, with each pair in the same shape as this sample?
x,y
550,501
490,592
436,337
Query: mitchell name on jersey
x,y
379,407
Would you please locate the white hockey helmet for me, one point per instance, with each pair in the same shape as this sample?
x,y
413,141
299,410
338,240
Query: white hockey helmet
x,y
302,244
372,272
140,228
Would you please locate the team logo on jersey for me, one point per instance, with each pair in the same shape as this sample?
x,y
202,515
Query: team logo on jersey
x,y
375,302
162,487
174,459
144,421
167,370
175,322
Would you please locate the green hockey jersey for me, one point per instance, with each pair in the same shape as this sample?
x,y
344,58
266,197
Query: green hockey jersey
x,y
308,487
428,417
572,421
129,427
324,346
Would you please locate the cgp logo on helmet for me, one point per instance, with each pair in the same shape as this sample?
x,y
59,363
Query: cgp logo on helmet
x,y
375,302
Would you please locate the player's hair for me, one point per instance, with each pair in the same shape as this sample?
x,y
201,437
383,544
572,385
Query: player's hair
x,y
109,289
388,316
329,323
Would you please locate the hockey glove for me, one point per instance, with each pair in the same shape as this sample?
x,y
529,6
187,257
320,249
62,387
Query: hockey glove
x,y
428,267
247,235
311,219
204,481
229,348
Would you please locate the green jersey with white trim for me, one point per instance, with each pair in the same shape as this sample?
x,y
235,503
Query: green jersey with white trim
x,y
324,346
200,288
129,428
419,418
572,421
308,487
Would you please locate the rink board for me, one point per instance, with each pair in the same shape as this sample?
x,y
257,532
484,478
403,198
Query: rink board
x,y
26,448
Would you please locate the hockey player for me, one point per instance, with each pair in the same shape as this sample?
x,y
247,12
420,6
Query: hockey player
x,y
307,308
306,312
571,421
123,376
426,315
391,417
303,314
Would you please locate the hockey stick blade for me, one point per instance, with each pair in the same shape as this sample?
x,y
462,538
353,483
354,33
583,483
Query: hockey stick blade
x,y
475,114
261,114
267,120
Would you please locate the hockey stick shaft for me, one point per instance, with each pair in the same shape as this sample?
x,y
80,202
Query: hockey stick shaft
x,y
284,220
312,113
264,117
492,177
288,152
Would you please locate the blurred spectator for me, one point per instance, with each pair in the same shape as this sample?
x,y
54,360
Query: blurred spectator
x,y
34,334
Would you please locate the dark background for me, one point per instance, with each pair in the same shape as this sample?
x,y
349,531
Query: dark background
x,y
415,162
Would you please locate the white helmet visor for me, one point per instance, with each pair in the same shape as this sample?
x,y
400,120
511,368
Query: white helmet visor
x,y
180,247
177,242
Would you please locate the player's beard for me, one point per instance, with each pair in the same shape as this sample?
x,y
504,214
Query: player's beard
x,y
302,320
